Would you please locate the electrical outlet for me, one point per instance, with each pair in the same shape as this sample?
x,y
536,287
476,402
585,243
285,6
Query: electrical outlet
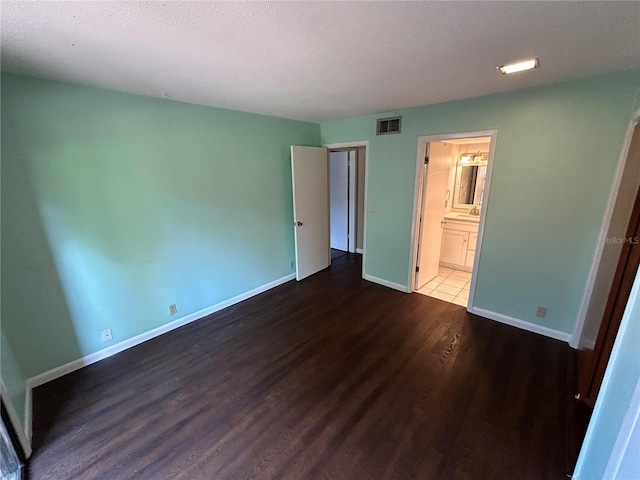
x,y
292,264
173,309
106,335
541,312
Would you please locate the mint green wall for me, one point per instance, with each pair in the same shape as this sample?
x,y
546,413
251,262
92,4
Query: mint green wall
x,y
115,206
621,377
556,154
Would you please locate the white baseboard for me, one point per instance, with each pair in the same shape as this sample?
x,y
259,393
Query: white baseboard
x,y
516,322
360,250
386,283
20,428
143,337
74,365
455,266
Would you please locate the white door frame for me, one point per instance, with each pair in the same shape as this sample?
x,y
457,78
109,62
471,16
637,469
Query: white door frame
x,y
422,190
576,337
493,134
359,143
352,160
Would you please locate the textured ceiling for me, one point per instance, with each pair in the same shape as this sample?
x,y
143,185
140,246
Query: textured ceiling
x,y
316,61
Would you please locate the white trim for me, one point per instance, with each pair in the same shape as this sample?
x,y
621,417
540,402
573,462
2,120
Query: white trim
x,y
630,424
417,203
359,250
365,144
358,143
483,216
143,337
23,435
28,413
576,336
352,162
522,324
411,278
455,266
386,283
74,365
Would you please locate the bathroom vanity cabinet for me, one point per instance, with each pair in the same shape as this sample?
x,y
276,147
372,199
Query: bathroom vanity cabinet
x,y
459,240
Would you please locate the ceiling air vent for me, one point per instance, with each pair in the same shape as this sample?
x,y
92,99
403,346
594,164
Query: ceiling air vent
x,y
388,125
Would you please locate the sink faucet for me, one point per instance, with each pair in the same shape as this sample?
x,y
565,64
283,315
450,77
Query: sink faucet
x,y
475,211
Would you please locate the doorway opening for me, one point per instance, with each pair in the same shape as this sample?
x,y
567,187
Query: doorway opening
x,y
452,187
342,199
312,210
347,187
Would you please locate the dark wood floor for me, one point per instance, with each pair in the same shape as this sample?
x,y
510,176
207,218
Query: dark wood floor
x,y
329,378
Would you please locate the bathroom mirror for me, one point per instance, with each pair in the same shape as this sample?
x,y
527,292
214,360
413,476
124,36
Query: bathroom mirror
x,y
471,172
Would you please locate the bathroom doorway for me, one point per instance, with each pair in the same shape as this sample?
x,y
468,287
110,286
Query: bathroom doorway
x,y
452,186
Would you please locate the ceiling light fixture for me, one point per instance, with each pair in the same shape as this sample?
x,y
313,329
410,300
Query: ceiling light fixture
x,y
519,67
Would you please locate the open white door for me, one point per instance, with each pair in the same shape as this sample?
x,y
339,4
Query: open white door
x,y
434,184
310,176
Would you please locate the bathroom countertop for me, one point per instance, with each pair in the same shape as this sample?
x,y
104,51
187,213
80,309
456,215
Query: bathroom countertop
x,y
463,217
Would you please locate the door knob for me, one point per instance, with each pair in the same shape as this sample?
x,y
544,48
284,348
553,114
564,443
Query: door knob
x,y
299,224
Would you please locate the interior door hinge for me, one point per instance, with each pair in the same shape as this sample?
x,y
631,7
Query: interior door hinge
x,y
417,268
426,160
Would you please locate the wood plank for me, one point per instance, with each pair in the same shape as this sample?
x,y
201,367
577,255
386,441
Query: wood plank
x,y
331,377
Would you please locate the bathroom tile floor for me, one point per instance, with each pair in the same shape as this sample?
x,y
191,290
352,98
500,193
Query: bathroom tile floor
x,y
450,285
